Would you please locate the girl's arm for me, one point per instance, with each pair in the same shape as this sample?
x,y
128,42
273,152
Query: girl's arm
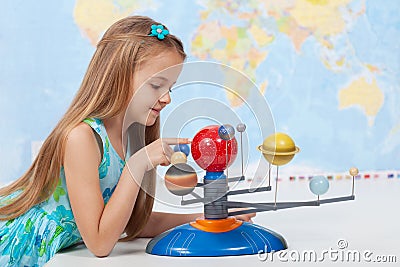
x,y
102,225
160,221
99,225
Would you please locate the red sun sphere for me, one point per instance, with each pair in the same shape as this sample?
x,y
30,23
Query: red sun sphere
x,y
210,151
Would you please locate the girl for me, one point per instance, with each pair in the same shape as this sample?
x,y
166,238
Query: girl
x,y
80,187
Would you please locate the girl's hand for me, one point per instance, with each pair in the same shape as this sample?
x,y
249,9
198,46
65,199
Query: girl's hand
x,y
158,152
244,217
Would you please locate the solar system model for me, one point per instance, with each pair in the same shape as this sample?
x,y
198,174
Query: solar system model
x,y
214,148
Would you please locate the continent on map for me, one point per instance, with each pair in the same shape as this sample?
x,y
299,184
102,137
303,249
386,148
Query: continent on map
x,y
365,94
239,47
320,19
93,17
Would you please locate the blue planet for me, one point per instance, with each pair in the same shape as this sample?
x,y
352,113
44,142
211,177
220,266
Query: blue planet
x,y
226,132
319,185
182,148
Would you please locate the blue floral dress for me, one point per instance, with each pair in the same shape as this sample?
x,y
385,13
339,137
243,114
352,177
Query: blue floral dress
x,y
33,238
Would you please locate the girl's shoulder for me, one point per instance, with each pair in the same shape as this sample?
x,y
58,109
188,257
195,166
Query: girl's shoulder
x,y
80,137
82,131
94,123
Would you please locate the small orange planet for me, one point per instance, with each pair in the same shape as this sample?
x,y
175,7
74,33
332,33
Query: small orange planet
x,y
180,179
278,149
353,171
178,157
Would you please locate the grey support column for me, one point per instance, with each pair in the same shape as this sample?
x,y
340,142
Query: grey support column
x,y
216,190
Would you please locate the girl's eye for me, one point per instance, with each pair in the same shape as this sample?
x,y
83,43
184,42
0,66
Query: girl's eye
x,y
155,86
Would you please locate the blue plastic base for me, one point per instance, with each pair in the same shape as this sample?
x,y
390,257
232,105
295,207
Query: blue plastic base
x,y
186,240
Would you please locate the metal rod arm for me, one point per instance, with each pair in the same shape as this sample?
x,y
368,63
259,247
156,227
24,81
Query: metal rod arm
x,y
195,195
336,199
245,191
235,179
260,207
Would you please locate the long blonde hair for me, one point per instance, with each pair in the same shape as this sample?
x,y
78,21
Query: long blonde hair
x,y
104,93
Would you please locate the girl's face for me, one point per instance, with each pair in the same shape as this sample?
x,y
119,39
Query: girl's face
x,y
151,87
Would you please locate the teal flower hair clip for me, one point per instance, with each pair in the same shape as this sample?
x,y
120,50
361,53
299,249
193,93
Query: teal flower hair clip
x,y
159,31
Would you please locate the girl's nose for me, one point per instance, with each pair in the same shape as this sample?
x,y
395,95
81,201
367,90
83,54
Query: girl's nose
x,y
165,98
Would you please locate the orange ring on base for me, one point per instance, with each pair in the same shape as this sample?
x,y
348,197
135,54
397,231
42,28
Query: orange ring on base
x,y
217,226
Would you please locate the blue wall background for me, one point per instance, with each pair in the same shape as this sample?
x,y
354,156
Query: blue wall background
x,y
45,47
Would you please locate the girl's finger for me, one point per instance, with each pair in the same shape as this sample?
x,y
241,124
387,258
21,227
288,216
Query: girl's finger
x,y
175,141
167,151
166,161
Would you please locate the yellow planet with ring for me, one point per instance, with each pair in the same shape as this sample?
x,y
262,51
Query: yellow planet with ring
x,y
278,149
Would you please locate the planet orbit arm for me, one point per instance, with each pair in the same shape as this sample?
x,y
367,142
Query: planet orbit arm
x,y
263,206
245,191
234,213
192,201
198,200
337,199
321,201
279,205
237,192
235,179
270,206
260,207
195,195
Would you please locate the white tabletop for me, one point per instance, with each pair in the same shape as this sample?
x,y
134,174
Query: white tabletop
x,y
369,225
